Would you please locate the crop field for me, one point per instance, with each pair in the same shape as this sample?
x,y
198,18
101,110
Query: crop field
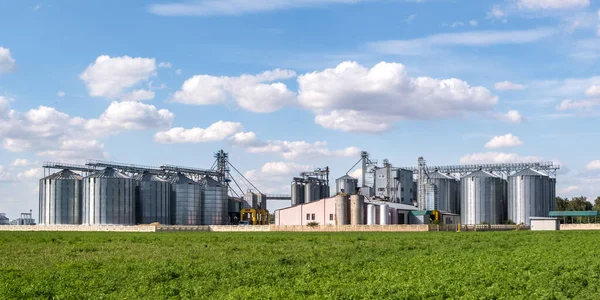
x,y
429,265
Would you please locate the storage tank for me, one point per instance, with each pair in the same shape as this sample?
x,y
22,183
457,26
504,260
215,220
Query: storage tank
x,y
186,201
60,198
481,198
297,193
447,188
431,196
528,196
261,199
250,200
324,190
153,199
214,202
370,214
347,184
341,209
552,183
309,192
108,198
356,209
384,212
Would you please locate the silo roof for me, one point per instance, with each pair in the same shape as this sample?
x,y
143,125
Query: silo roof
x,y
347,177
438,175
109,173
211,182
146,176
528,172
182,179
480,174
64,174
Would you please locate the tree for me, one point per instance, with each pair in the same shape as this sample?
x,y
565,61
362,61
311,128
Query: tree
x,y
562,204
580,204
597,203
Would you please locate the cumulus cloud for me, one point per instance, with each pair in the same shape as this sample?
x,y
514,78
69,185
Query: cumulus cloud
x,y
593,91
274,177
553,4
377,97
426,45
497,13
21,162
509,86
217,131
138,95
235,7
4,106
74,150
582,105
256,93
166,65
593,165
503,141
35,173
7,63
244,138
111,76
124,116
295,149
496,158
512,116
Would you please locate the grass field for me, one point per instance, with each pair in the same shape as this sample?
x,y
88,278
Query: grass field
x,y
485,265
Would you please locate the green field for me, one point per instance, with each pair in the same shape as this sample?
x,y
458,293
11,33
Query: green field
x,y
432,265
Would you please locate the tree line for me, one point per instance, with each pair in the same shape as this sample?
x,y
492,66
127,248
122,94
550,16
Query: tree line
x,y
577,204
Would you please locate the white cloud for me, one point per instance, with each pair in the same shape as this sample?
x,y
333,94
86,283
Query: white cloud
x,y
496,158
60,94
352,97
426,45
593,91
4,106
217,131
178,71
244,138
582,105
35,173
124,116
21,162
509,86
110,77
7,63
255,93
553,4
166,65
497,13
512,116
593,165
503,141
295,149
76,150
138,95
274,177
569,189
5,175
235,7
460,23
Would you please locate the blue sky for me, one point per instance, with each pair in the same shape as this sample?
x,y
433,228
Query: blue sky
x,y
286,86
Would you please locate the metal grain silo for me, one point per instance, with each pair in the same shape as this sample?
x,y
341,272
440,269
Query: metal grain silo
x,y
261,199
214,202
528,196
108,198
324,190
431,196
153,199
297,193
60,198
309,192
447,191
481,198
357,203
370,214
552,182
384,213
346,184
186,201
250,200
341,209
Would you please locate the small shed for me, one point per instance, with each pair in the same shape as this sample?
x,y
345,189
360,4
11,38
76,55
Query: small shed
x,y
544,223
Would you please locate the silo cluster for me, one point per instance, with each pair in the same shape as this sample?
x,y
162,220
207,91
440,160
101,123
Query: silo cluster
x,y
153,199
186,201
108,198
214,203
483,198
530,194
446,194
307,190
61,198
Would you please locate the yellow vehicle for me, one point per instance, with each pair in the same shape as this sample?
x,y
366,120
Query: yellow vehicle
x,y
251,216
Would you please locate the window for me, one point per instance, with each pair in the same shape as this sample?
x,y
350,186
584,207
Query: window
x,y
313,217
381,189
308,217
402,189
330,217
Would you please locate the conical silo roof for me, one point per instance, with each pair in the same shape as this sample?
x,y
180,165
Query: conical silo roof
x,y
64,174
147,176
109,173
182,179
528,172
438,175
211,182
480,174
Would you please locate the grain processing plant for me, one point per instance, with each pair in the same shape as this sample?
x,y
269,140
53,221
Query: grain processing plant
x,y
466,194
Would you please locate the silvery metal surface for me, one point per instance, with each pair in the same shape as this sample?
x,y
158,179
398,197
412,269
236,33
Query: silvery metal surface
x,y
261,199
370,214
356,209
481,198
324,192
447,192
214,203
60,198
384,212
431,196
529,195
404,186
552,194
108,198
309,192
346,183
153,199
297,193
250,200
235,205
186,201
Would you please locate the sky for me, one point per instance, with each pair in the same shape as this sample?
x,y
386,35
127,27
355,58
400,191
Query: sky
x,y
286,86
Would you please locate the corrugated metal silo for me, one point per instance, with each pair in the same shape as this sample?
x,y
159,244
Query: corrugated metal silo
x,y
261,199
309,192
384,213
324,191
347,184
447,191
60,198
108,198
214,202
370,214
356,209
186,201
341,209
552,194
250,200
297,193
431,196
528,196
153,199
481,198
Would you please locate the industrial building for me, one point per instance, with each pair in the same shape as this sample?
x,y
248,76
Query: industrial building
x,y
108,193
4,219
469,194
